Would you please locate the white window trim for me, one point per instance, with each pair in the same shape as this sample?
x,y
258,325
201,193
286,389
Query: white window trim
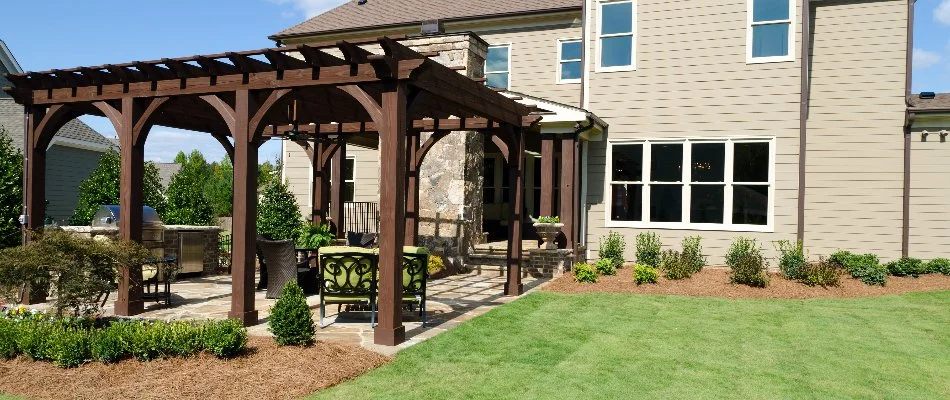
x,y
633,53
560,62
792,27
727,226
508,71
353,181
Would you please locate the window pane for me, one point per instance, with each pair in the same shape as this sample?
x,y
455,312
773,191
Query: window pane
x,y
497,60
769,10
770,40
570,50
751,162
616,18
616,51
537,171
750,205
571,70
666,162
348,169
627,162
488,196
666,203
489,172
497,80
349,190
706,202
709,162
626,202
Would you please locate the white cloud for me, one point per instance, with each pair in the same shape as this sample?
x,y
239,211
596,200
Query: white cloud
x,y
924,58
311,8
942,12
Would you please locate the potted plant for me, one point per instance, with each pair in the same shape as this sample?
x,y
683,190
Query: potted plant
x,y
548,228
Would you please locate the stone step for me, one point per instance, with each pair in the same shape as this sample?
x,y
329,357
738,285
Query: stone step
x,y
485,269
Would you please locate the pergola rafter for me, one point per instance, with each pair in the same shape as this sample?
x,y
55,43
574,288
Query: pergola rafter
x,y
382,100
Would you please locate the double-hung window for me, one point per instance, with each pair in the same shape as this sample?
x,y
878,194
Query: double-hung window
x,y
498,66
709,184
770,31
569,61
616,35
349,182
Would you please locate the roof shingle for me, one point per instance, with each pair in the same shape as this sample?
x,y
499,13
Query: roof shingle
x,y
940,102
379,13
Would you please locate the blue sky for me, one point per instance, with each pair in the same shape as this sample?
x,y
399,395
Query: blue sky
x,y
95,32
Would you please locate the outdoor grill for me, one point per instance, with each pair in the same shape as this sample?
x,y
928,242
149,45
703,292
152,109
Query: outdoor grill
x,y
153,231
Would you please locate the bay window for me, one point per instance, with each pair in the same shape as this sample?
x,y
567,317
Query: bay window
x,y
710,184
770,35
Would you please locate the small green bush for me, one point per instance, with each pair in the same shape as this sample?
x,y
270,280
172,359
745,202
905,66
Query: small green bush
x,y
612,247
436,264
606,266
747,264
792,260
865,267
675,265
185,338
693,253
585,273
648,249
141,341
109,344
33,339
939,266
291,320
224,338
906,266
644,274
823,273
550,220
69,347
8,334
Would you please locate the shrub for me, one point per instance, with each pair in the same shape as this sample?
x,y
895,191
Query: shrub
x,y
585,273
224,338
939,266
185,338
675,265
436,264
549,220
823,273
648,249
11,190
606,266
693,253
612,246
311,236
8,334
102,187
864,267
33,339
291,320
110,344
69,347
278,216
142,341
906,266
644,274
792,260
747,264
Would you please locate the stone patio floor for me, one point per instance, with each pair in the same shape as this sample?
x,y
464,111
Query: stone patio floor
x,y
451,301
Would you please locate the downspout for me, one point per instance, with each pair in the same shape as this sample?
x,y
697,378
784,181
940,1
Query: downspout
x,y
584,56
803,115
908,122
585,103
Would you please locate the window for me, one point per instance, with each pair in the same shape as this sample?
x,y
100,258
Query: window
x,y
498,66
349,183
710,184
616,35
569,61
770,35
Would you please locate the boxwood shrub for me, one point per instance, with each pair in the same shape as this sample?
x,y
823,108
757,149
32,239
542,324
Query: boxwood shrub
x,y
865,267
291,320
645,274
747,263
939,266
585,273
606,266
907,266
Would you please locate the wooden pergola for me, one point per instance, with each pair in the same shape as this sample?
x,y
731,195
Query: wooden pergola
x,y
251,96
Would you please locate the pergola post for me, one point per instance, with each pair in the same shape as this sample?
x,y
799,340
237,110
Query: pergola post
x,y
244,229
547,176
320,189
35,193
568,196
412,190
336,190
516,151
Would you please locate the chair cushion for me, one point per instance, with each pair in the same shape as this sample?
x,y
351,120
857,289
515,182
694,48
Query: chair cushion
x,y
347,249
342,298
415,250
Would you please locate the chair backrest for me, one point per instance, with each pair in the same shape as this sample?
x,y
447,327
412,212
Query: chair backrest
x,y
348,270
415,270
277,253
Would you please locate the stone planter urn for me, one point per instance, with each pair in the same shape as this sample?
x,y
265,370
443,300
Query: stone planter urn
x,y
548,233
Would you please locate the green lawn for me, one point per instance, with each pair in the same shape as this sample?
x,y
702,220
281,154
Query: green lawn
x,y
554,346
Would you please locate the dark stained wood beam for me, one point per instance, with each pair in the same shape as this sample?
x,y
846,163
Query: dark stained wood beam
x,y
247,64
154,72
184,70
283,62
317,58
215,67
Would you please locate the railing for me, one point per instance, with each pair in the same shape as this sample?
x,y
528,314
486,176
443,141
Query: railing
x,y
361,217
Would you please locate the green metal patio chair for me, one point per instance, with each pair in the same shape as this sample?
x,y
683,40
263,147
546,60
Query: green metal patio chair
x,y
415,273
348,275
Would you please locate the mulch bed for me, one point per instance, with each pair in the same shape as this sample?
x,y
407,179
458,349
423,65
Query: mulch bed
x,y
265,371
714,282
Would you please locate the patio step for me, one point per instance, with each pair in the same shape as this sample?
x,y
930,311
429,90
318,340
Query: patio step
x,y
490,261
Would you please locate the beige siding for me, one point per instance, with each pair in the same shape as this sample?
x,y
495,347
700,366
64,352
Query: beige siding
x,y
930,194
365,173
855,131
297,176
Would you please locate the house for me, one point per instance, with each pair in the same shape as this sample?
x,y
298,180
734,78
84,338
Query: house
x,y
72,156
707,117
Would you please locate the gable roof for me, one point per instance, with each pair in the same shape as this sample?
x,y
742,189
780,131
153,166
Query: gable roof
x,y
166,171
387,13
8,65
940,102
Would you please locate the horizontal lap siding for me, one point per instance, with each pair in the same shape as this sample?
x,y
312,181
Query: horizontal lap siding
x,y
66,168
297,176
855,148
692,80
365,173
929,195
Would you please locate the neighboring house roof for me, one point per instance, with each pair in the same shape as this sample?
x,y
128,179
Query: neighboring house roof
x,y
8,64
166,171
941,102
386,13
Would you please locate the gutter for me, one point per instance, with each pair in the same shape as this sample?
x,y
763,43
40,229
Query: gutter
x,y
908,122
803,115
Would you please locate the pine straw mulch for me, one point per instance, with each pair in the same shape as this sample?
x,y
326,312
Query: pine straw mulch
x,y
265,371
714,282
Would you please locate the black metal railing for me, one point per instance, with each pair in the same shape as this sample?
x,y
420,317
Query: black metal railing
x,y
361,217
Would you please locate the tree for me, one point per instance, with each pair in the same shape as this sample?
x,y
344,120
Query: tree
x,y
220,187
11,191
278,215
268,174
102,188
187,203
